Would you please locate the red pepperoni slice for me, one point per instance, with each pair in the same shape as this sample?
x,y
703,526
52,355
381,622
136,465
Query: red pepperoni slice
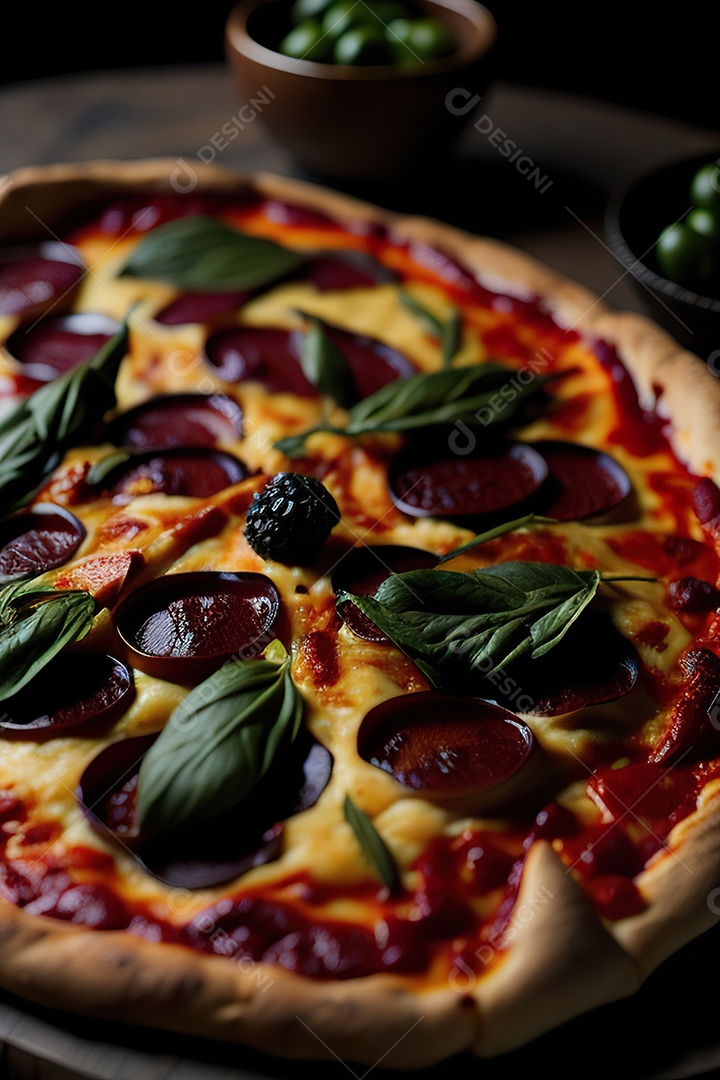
x,y
250,834
74,691
347,270
261,354
583,482
592,665
108,786
200,307
226,846
176,420
271,356
373,363
182,627
437,483
37,278
443,744
38,540
55,345
364,569
198,473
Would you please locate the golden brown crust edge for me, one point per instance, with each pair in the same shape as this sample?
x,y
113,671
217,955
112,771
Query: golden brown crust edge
x,y
563,960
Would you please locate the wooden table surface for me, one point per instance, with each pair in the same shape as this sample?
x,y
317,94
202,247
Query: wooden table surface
x,y
586,149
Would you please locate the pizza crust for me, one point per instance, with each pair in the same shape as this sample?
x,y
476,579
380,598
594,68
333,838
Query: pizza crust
x,y
561,962
115,976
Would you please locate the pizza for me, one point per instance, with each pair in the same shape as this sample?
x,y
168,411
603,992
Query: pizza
x,y
359,654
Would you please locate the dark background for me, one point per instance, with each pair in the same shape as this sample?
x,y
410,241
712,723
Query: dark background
x,y
662,60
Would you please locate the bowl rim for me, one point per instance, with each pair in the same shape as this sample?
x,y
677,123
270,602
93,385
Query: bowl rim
x,y
239,41
633,262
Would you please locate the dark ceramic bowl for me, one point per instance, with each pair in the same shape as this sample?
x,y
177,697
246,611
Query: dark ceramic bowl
x,y
635,217
360,122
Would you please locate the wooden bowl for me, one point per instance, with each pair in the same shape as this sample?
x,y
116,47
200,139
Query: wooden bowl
x,y
360,122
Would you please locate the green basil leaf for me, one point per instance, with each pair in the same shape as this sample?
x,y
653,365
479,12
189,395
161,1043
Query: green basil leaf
x,y
99,470
326,366
420,395
449,332
373,846
205,255
466,394
218,743
432,324
451,338
493,534
292,446
63,413
36,623
458,624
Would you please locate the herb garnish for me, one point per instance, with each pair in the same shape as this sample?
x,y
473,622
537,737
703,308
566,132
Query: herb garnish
x,y
441,397
63,413
373,846
495,533
452,624
206,255
451,338
219,742
325,365
448,332
36,622
101,469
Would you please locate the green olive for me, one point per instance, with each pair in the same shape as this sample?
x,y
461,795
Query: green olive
x,y
397,33
704,222
418,41
302,10
684,256
307,42
344,15
705,187
362,45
